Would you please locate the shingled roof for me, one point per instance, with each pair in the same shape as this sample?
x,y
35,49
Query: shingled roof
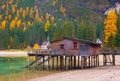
x,y
76,39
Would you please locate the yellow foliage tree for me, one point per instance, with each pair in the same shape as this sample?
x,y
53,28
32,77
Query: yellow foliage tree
x,y
24,14
62,9
10,2
53,19
31,13
47,26
17,13
25,28
36,46
16,18
110,25
18,23
3,6
37,17
28,23
0,16
12,24
27,10
54,3
47,16
21,10
13,9
9,17
3,24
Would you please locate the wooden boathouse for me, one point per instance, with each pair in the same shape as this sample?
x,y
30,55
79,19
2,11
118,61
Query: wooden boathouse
x,y
66,53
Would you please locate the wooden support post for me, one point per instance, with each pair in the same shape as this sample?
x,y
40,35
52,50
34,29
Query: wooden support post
x,y
104,60
89,62
78,61
71,62
113,59
57,63
94,60
98,60
53,63
81,62
48,62
43,62
74,62
65,62
60,62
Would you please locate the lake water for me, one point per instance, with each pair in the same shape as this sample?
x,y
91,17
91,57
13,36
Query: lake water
x,y
13,69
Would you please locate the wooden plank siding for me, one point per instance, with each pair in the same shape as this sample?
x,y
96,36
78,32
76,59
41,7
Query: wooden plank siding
x,y
76,46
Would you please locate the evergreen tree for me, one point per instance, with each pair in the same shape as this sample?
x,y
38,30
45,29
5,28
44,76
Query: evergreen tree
x,y
90,33
111,41
100,30
81,30
68,29
118,32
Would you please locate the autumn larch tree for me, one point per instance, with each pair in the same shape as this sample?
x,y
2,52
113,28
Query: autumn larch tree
x,y
110,25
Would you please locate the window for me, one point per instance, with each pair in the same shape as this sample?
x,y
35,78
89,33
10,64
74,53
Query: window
x,y
61,46
75,45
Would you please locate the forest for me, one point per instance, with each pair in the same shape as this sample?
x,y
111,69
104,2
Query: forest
x,y
25,22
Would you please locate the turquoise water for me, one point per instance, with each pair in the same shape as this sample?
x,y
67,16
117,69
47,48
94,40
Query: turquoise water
x,y
13,69
10,65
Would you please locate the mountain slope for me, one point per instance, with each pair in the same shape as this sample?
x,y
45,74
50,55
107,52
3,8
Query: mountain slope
x,y
80,9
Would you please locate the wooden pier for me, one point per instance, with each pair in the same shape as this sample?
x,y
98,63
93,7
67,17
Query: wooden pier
x,y
45,61
109,56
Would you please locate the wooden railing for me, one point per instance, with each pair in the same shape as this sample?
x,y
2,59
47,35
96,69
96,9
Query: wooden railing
x,y
52,51
111,51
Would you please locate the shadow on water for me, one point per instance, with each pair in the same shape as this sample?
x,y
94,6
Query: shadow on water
x,y
13,69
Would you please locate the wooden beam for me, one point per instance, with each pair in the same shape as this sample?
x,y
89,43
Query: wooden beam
x,y
74,62
43,62
57,63
89,61
78,61
113,59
